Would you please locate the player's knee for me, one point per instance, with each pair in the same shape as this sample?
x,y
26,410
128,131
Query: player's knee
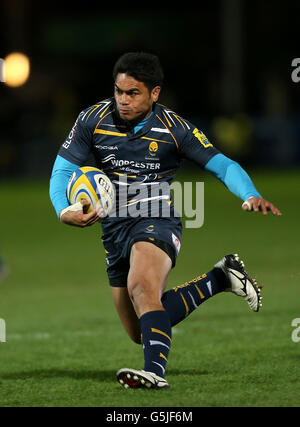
x,y
137,289
142,292
144,297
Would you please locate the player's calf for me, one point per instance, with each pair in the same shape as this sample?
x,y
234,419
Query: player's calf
x,y
182,300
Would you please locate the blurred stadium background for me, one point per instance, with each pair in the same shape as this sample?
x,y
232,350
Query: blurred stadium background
x,y
228,70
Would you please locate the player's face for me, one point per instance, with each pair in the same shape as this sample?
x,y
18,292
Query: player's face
x,y
133,98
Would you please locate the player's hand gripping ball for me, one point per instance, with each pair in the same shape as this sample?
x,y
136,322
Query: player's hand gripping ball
x,y
93,185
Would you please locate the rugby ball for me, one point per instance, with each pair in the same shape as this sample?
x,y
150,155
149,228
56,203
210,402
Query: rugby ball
x,y
93,185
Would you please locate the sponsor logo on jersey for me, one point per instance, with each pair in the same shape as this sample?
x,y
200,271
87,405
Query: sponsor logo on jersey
x,y
150,229
107,147
72,134
176,242
134,164
202,138
120,163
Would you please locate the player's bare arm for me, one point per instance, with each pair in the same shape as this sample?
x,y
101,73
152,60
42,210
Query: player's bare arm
x,y
259,204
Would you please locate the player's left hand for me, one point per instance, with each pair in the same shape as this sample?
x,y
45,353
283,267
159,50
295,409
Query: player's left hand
x,y
258,204
78,216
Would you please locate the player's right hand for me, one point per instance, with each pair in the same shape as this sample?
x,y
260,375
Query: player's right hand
x,y
259,204
80,218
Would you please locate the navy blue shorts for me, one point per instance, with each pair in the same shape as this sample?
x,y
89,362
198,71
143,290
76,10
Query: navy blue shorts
x,y
118,241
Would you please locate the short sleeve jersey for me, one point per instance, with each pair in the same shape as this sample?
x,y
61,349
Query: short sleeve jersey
x,y
151,155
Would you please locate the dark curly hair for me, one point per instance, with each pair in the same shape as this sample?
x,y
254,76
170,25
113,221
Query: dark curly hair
x,y
144,67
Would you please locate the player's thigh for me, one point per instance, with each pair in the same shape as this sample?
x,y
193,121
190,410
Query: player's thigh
x,y
126,313
149,270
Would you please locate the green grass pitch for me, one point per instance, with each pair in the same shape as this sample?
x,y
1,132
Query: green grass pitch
x,y
64,342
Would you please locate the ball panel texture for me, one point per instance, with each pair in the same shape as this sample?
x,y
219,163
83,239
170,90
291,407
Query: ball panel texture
x,y
93,185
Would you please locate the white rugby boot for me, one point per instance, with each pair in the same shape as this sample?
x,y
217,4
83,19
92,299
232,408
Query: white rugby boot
x,y
132,378
240,282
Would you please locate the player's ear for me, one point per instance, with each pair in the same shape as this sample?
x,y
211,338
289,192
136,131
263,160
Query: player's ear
x,y
155,93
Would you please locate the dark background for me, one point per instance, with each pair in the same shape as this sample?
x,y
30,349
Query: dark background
x,y
227,69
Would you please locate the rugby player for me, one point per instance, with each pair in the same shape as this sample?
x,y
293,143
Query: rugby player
x,y
135,138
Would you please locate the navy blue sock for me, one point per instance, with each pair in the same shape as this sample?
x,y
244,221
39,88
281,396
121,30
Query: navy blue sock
x,y
182,300
156,338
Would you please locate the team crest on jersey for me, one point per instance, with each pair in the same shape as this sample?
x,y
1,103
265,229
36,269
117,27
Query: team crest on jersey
x,y
153,147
